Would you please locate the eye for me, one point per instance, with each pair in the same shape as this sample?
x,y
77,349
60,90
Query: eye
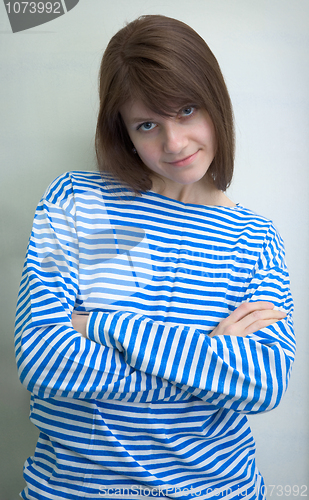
x,y
146,126
188,111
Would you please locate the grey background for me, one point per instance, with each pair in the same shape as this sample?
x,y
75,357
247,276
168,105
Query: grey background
x,y
48,107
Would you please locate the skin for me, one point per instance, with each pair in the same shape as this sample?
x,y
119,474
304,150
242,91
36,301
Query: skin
x,y
179,150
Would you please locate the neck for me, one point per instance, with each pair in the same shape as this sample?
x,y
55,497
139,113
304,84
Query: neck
x,y
203,192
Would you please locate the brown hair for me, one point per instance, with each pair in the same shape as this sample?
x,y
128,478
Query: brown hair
x,y
165,64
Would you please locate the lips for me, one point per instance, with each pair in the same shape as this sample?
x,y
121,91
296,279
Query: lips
x,y
184,161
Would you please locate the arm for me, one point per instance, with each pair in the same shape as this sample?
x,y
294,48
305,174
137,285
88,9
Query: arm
x,y
53,358
245,373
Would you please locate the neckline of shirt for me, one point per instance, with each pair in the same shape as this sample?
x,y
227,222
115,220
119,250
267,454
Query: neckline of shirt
x,y
153,194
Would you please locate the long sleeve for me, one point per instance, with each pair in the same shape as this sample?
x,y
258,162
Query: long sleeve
x,y
244,374
52,358
148,399
130,355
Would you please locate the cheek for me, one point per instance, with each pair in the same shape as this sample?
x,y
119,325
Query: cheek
x,y
147,152
213,137
213,140
210,135
209,130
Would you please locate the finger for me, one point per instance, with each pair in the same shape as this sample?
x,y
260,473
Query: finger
x,y
257,316
262,314
246,308
79,323
259,325
254,322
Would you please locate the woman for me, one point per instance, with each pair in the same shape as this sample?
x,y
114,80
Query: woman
x,y
154,313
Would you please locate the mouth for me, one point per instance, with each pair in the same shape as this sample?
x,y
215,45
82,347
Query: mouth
x,y
184,161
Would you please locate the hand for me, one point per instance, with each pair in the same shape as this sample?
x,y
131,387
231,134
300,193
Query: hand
x,y
79,323
248,318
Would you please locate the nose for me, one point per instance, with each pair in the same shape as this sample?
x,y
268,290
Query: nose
x,y
175,139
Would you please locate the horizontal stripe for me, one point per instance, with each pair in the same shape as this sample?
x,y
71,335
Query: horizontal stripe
x,y
148,400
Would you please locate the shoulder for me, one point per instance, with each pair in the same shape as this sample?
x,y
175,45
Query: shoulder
x,y
271,242
259,228
240,223
75,184
252,219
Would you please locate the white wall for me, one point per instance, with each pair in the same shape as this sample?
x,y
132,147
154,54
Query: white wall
x,y
48,114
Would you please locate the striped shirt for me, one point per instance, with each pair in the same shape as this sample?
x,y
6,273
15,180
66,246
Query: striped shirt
x,y
148,405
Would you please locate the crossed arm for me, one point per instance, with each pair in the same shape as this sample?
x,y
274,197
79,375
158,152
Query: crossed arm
x,y
248,318
115,354
224,368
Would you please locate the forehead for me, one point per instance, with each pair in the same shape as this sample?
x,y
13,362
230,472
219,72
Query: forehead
x,y
135,110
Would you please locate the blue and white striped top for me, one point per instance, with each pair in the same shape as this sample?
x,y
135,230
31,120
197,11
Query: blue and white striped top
x,y
148,405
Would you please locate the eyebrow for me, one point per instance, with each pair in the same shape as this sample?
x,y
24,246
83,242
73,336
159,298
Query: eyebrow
x,y
138,120
149,119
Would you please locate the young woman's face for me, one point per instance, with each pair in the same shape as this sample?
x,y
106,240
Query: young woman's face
x,y
179,148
